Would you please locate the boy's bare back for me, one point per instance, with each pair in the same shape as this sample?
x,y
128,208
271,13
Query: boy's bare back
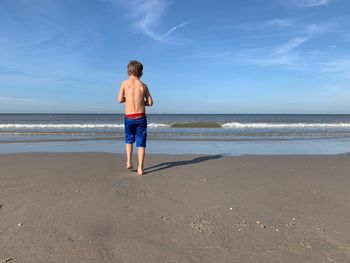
x,y
135,94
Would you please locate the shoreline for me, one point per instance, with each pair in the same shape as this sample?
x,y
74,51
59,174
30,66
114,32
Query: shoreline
x,y
187,138
85,207
180,147
178,155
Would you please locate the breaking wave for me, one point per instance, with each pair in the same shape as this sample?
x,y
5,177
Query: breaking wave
x,y
284,125
228,125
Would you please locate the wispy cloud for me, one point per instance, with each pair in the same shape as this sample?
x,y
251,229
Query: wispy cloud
x,y
273,60
312,3
289,54
147,16
291,44
317,29
285,53
45,29
171,30
277,22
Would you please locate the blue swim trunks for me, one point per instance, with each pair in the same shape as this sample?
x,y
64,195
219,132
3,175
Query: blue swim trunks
x,y
136,128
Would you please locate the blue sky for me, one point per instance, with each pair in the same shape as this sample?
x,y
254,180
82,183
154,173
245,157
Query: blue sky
x,y
199,56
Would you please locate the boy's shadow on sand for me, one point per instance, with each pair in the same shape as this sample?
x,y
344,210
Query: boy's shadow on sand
x,y
168,165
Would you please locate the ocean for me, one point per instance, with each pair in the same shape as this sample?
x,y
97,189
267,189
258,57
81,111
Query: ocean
x,y
230,134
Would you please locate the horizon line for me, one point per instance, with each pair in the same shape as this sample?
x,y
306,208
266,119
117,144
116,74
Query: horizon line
x,y
82,113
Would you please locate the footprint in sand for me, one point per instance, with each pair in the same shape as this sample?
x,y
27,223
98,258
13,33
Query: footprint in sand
x,y
165,218
304,243
168,219
204,225
140,194
290,224
321,229
242,223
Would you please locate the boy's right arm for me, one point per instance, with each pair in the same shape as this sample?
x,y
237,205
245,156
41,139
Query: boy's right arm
x,y
149,99
121,94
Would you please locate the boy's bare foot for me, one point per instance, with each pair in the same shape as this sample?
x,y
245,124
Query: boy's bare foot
x,y
140,171
129,165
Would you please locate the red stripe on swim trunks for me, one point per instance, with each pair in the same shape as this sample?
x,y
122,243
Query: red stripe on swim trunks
x,y
135,115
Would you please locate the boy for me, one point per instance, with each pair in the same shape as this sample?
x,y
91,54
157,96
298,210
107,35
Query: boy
x,y
136,96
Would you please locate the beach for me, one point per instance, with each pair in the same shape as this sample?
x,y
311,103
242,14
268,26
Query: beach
x,y
237,113
85,207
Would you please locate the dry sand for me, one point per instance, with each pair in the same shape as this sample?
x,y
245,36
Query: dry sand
x,y
84,207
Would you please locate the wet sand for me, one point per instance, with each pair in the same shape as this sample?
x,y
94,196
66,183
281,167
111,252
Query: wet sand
x,y
84,207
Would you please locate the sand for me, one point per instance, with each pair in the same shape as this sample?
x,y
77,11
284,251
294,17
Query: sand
x,y
84,207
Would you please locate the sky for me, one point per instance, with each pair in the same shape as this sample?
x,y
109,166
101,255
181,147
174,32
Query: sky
x,y
199,56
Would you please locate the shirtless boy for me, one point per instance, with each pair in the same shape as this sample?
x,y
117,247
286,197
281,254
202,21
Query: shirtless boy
x,y
136,96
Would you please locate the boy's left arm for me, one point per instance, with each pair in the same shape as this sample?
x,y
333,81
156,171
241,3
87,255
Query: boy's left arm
x,y
121,94
148,97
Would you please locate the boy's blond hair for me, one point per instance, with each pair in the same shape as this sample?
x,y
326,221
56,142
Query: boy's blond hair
x,y
135,68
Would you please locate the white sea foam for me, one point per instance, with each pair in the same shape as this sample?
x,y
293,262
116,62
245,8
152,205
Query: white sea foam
x,y
284,125
158,125
73,126
229,125
59,126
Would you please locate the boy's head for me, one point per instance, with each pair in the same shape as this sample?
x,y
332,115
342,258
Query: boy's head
x,y
135,68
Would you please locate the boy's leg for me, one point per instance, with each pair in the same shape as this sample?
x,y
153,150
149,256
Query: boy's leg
x,y
129,141
141,158
128,148
141,138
